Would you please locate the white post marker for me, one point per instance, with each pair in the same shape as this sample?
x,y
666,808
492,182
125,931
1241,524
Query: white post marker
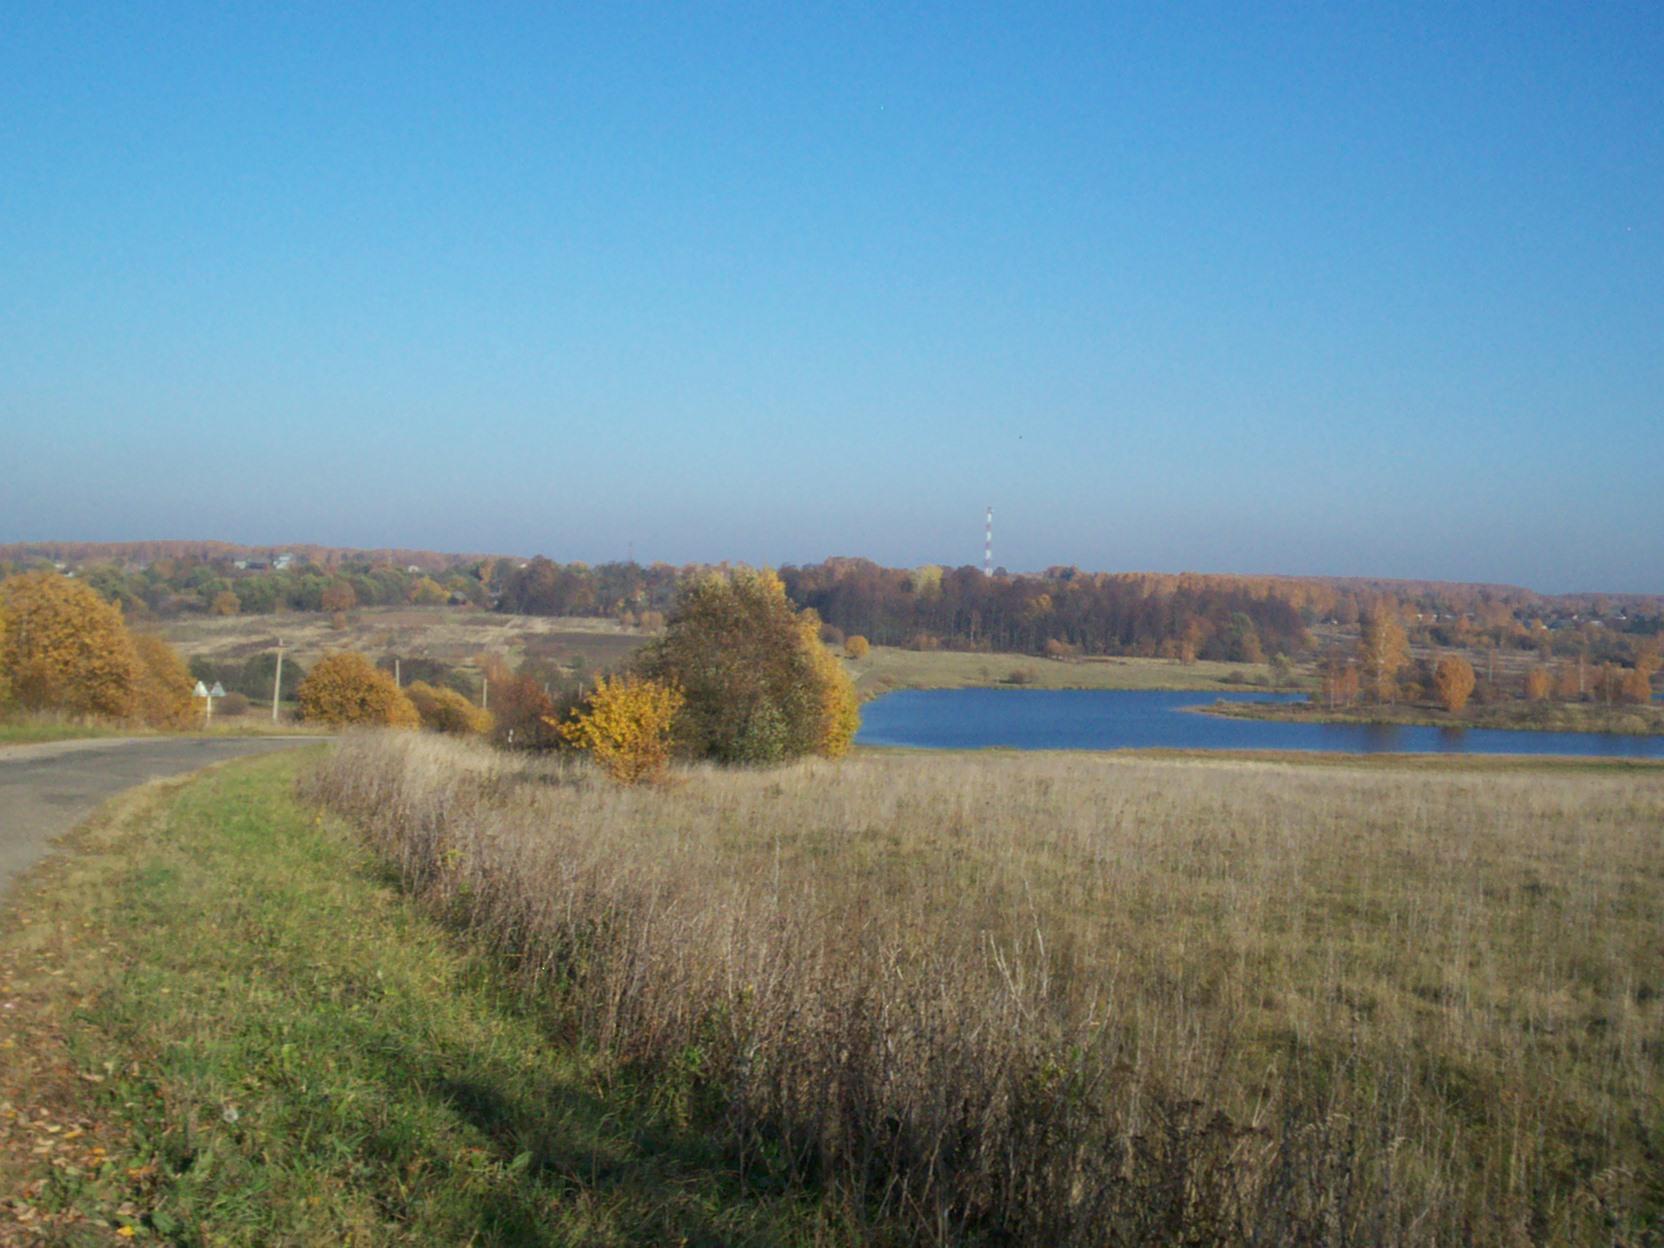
x,y
277,680
208,695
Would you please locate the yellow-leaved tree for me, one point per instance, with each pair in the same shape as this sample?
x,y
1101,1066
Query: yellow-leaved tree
x,y
163,694
625,724
65,648
345,689
443,709
1538,682
1383,650
856,646
1453,680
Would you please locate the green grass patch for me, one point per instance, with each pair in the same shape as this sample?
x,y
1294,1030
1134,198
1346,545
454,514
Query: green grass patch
x,y
887,667
35,729
272,1044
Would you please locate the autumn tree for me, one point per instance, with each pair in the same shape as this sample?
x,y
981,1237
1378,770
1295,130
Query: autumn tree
x,y
65,648
443,709
759,685
1453,680
1339,676
346,689
225,603
522,714
1383,650
856,646
162,693
625,725
1635,686
339,596
1538,683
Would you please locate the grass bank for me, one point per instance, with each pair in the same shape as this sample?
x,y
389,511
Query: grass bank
x,y
223,1024
1076,999
26,729
1516,716
886,668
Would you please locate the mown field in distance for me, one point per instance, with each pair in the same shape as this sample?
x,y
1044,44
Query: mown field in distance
x,y
453,635
1076,999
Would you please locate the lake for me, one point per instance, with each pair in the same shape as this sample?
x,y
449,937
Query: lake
x,y
1068,719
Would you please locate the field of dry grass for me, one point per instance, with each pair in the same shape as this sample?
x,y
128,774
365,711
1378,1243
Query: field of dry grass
x,y
1084,999
452,635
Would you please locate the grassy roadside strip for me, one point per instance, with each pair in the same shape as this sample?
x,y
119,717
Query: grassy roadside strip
x,y
35,730
221,1023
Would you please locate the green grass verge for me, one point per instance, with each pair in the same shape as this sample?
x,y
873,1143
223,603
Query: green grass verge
x,y
272,1045
33,730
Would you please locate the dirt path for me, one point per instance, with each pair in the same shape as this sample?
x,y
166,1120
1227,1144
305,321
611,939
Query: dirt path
x,y
45,790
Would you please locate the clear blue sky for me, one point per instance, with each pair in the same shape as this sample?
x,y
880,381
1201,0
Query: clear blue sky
x,y
1246,288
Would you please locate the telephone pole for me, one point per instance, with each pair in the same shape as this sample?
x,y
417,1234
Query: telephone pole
x,y
277,679
988,546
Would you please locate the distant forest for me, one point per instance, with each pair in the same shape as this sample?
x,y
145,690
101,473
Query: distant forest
x,y
1060,611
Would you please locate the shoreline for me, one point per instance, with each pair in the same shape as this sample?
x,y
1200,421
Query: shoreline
x,y
1637,721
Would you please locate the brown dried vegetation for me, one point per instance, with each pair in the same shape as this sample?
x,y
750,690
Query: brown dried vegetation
x,y
1072,1000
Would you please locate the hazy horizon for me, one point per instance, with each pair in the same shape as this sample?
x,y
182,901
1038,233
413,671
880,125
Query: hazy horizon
x,y
1325,293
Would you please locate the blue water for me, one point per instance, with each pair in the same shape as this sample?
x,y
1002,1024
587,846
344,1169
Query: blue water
x,y
1047,719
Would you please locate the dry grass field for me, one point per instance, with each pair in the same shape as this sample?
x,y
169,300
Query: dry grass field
x,y
452,635
1082,999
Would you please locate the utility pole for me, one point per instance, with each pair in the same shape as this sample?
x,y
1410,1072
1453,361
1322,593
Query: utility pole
x,y
988,546
277,679
485,692
397,683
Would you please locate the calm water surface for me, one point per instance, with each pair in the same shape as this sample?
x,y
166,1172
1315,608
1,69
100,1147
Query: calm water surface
x,y
1049,719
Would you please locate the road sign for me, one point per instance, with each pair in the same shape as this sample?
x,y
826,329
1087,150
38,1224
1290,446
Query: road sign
x,y
201,690
218,691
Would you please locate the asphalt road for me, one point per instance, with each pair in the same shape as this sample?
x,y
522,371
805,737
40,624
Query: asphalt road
x,y
45,790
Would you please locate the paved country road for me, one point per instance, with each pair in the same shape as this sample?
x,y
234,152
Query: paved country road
x,y
45,790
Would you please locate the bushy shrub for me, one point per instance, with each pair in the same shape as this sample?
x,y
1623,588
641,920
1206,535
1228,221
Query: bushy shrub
x,y
857,646
625,725
759,685
345,690
162,692
232,704
443,709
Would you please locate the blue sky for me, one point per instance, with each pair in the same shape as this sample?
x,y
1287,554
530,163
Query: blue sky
x,y
1306,289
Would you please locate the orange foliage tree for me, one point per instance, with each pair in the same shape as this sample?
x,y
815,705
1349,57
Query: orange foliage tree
x,y
226,603
346,689
65,648
856,646
162,695
1538,683
625,725
338,596
1453,680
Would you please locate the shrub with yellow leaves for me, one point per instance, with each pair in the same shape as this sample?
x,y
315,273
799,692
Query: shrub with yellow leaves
x,y
625,724
443,709
346,690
